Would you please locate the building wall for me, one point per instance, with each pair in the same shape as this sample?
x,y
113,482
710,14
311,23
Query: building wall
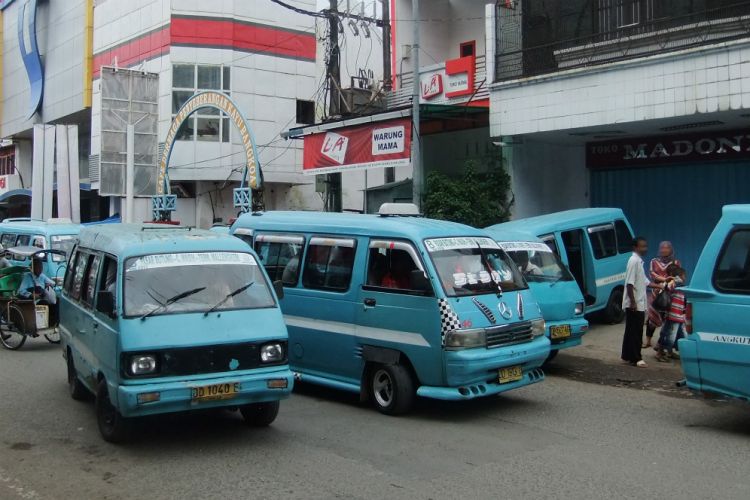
x,y
689,83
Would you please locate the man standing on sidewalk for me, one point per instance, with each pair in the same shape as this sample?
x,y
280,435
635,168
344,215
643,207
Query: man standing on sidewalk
x,y
634,303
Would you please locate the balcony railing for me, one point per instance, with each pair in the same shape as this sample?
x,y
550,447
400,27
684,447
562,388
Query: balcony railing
x,y
517,57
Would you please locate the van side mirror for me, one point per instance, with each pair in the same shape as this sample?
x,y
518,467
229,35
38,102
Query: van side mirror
x,y
105,303
278,287
419,281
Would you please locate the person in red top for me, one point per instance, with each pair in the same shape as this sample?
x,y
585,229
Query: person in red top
x,y
674,321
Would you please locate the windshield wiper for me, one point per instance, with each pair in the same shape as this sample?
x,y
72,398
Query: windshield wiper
x,y
172,300
490,268
229,296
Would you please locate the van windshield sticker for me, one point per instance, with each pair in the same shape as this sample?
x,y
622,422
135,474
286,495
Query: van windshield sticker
x,y
524,246
191,259
442,244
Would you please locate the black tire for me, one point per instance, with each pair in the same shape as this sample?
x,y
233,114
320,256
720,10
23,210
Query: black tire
x,y
54,337
391,389
76,389
260,414
113,427
13,329
552,355
614,312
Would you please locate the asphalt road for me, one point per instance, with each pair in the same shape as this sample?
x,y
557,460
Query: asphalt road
x,y
564,438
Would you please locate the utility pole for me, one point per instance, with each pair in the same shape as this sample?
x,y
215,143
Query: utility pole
x,y
387,76
333,181
416,159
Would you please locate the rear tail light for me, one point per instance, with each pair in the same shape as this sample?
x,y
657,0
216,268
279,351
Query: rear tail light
x,y
689,317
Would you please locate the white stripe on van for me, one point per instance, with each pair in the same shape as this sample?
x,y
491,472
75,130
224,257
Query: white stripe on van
x,y
351,329
724,339
610,279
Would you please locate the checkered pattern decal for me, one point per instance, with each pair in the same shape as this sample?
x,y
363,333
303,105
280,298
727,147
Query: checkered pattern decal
x,y
448,319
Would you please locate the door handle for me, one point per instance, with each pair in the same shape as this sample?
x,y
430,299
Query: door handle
x,y
370,302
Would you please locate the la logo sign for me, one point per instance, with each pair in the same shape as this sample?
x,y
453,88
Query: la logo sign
x,y
334,147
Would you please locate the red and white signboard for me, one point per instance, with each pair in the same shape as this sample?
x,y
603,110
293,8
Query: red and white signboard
x,y
375,145
454,80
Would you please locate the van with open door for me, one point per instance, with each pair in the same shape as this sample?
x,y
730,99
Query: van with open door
x,y
595,244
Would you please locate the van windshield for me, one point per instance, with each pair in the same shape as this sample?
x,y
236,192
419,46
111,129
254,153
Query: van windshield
x,y
64,242
536,261
473,266
153,281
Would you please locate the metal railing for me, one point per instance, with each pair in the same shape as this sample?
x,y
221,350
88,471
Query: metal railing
x,y
646,32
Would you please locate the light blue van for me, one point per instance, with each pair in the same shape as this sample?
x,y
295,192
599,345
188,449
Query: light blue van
x,y
716,353
391,306
58,234
158,319
595,244
553,286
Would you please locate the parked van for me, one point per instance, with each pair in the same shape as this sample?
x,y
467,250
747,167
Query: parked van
x,y
391,306
553,286
595,244
159,319
716,354
58,234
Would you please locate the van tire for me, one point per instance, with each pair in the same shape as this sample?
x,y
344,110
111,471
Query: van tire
x,y
391,389
76,389
260,414
614,313
113,427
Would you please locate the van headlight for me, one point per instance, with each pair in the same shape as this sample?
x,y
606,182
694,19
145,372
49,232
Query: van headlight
x,y
143,364
579,308
272,353
465,339
538,328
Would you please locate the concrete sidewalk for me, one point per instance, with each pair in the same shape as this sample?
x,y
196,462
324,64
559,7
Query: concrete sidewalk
x,y
598,361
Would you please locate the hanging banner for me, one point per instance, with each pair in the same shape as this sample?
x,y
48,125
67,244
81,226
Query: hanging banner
x,y
375,145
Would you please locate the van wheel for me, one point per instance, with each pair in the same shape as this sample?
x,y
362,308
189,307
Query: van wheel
x,y
614,313
76,389
392,389
260,414
113,427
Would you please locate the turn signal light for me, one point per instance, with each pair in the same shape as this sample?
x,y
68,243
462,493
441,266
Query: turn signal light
x,y
148,397
278,383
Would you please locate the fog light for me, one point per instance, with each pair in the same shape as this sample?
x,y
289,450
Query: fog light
x,y
278,383
148,397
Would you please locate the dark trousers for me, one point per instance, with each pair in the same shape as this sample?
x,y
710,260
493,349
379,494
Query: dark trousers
x,y
631,341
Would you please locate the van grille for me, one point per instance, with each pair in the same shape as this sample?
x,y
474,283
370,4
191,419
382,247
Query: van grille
x,y
515,333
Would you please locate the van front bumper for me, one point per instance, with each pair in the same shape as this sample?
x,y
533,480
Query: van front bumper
x,y
177,396
473,373
578,326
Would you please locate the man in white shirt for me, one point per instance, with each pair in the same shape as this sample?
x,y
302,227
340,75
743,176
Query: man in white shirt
x,y
634,303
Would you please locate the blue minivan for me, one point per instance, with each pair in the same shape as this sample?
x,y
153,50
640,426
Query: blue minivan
x,y
553,286
57,234
716,353
391,306
159,319
595,244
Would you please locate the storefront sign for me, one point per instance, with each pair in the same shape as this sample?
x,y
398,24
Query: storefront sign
x,y
385,144
709,146
432,86
455,79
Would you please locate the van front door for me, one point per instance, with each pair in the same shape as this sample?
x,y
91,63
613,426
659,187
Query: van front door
x,y
573,244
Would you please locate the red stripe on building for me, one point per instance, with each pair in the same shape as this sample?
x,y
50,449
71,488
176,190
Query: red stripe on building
x,y
135,51
247,37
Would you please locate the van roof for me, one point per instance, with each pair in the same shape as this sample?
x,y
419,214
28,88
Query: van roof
x,y
736,213
45,227
125,240
414,228
499,233
567,219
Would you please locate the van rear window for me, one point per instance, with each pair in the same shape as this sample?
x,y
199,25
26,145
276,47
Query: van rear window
x,y
732,273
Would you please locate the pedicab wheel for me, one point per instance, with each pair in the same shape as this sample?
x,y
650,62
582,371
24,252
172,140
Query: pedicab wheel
x,y
13,329
53,337
76,389
260,414
392,389
113,427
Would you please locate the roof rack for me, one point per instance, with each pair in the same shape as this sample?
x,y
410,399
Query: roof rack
x,y
399,210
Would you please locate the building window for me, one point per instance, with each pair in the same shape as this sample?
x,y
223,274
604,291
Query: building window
x,y
8,160
207,124
469,49
305,112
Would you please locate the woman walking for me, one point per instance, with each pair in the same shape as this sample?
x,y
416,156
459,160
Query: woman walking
x,y
658,274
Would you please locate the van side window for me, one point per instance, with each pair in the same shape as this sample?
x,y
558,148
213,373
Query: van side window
x,y
549,240
329,263
624,237
39,242
732,274
70,272
23,240
108,283
8,240
80,272
280,255
390,265
89,284
603,241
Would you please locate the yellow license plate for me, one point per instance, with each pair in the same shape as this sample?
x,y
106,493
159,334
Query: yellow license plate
x,y
558,332
215,392
510,374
